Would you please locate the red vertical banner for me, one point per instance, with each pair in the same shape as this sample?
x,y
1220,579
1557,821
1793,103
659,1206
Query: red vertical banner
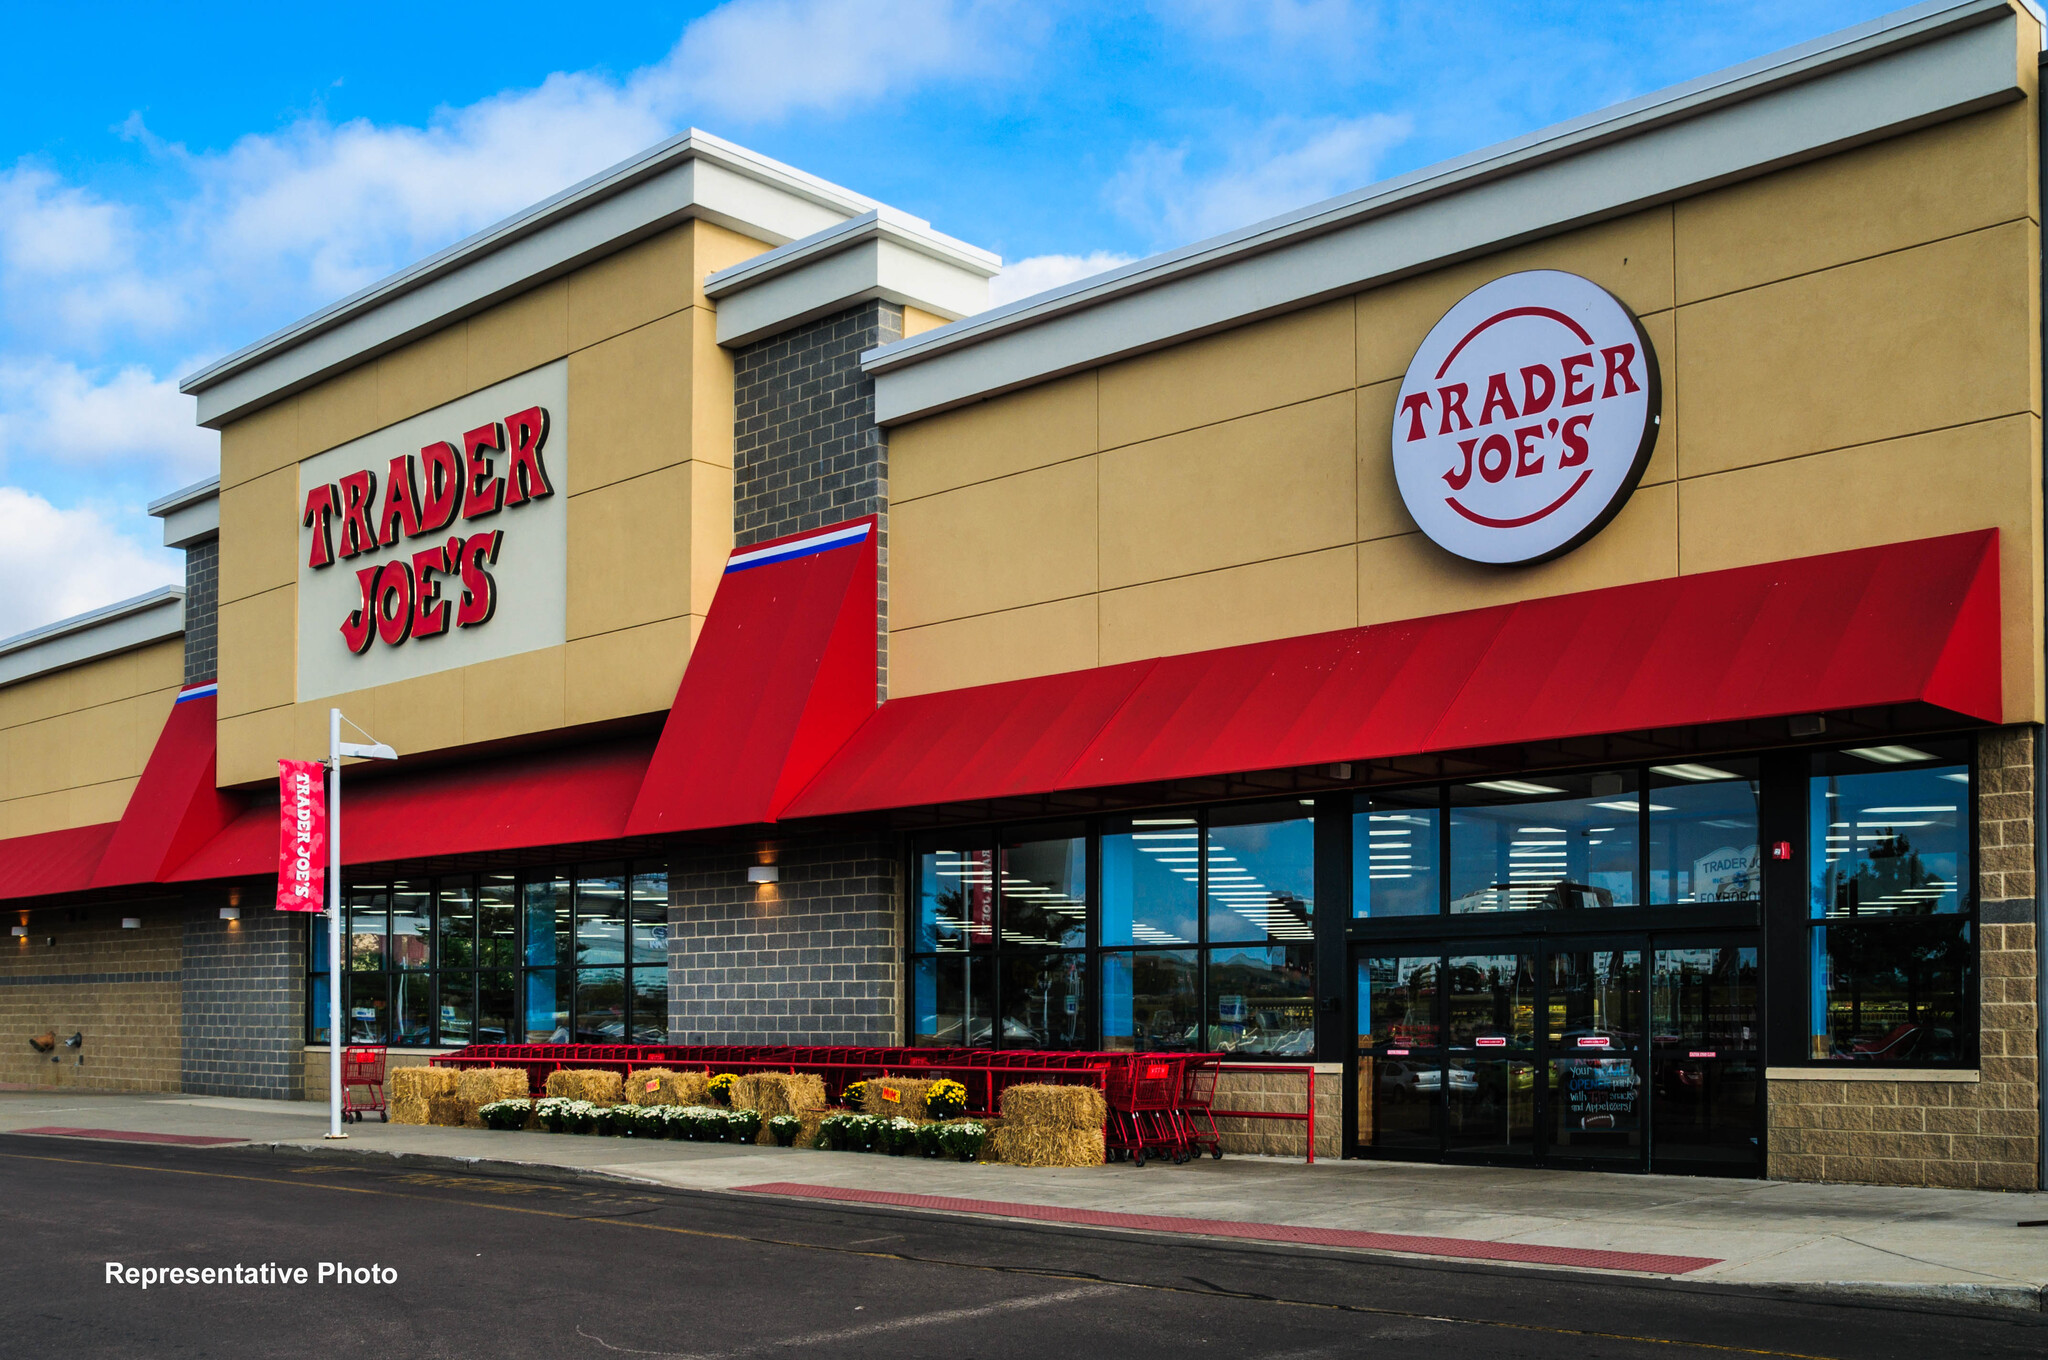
x,y
301,834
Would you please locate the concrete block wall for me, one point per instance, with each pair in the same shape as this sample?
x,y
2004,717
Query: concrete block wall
x,y
1932,1129
1282,1093
119,988
244,1004
202,611
812,959
806,449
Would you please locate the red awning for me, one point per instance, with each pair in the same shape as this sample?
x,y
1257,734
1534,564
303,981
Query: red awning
x,y
52,861
782,674
514,802
175,807
1906,623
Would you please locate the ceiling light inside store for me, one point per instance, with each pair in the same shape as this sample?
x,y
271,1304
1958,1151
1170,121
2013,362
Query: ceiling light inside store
x,y
1696,773
1516,786
1889,755
1631,807
1162,821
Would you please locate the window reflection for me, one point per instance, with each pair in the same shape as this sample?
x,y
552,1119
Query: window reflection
x,y
650,920
498,921
412,914
952,1001
1559,842
546,901
1887,842
1492,1001
1891,991
1151,1001
956,899
1596,1000
1045,891
1394,869
650,1005
1260,1001
1397,1001
1042,995
601,916
1262,872
1703,837
1151,872
1704,999
455,925
368,922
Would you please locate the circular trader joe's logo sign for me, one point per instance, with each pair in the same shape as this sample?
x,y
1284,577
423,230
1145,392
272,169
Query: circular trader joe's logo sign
x,y
1526,418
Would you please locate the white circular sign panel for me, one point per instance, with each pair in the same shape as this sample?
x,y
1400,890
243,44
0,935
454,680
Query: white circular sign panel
x,y
1526,418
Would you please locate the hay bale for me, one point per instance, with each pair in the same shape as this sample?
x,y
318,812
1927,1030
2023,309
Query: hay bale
x,y
595,1085
1035,1145
486,1084
686,1088
407,1091
909,1102
1054,1109
647,1086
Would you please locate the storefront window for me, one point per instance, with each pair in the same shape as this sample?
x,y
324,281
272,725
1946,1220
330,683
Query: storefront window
x,y
1045,891
1394,854
952,1001
1492,1001
1042,995
1151,881
1261,865
1558,842
434,961
1703,836
1893,957
956,906
1261,1002
1152,1001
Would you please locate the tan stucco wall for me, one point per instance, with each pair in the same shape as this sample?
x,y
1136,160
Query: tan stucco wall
x,y
133,1028
1850,353
650,509
73,743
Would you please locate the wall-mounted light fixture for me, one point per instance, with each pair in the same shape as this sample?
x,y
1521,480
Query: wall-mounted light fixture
x,y
234,897
131,923
230,913
762,873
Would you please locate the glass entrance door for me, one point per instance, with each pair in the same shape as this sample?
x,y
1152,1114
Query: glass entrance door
x,y
1620,1053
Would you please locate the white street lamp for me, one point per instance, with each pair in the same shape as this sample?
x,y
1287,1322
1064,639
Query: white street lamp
x,y
336,749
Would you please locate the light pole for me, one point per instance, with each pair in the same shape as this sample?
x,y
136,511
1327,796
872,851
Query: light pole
x,y
336,749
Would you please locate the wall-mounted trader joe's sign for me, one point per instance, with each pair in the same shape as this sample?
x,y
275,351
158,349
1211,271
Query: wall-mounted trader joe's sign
x,y
437,542
1526,418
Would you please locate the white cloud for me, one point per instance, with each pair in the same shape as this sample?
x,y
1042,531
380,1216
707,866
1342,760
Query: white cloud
x,y
1288,164
58,562
53,412
1023,278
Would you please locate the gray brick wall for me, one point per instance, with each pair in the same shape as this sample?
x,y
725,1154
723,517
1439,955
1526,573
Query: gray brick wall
x,y
812,959
202,611
245,1006
806,449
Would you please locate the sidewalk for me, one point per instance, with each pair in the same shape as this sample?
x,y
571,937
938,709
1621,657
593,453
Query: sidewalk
x,y
1954,1246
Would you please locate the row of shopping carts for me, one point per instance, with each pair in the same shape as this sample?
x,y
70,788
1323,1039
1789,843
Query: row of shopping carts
x,y
1162,1105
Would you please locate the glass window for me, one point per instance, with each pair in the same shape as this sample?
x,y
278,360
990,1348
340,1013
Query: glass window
x,y
1550,842
1888,841
1045,890
1397,1001
1152,1001
1042,1001
494,1009
953,1001
366,1008
650,1005
412,914
1492,1001
547,922
1260,1000
498,921
1703,1001
319,1005
368,924
412,1008
546,1007
1595,1000
1892,991
1151,876
650,919
600,1006
1703,839
601,915
1394,849
1261,862
1596,1109
956,898
455,924
456,1008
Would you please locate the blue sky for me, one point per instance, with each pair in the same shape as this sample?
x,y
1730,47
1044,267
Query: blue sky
x,y
171,190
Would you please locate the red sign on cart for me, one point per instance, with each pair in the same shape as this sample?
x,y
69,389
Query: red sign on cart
x,y
301,834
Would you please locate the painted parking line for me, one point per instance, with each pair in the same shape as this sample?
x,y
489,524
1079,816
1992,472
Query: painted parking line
x,y
125,1136
1524,1253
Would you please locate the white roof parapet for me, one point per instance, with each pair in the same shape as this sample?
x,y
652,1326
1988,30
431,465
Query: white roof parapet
x,y
119,627
882,253
190,515
691,175
1919,66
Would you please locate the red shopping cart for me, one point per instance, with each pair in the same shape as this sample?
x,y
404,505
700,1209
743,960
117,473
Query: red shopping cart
x,y
362,1084
1144,1095
1197,1107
